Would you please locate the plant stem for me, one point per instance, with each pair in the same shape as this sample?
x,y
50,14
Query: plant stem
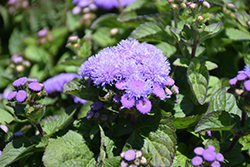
x,y
194,46
40,129
234,142
120,6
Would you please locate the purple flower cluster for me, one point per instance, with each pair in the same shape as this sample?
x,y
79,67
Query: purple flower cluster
x,y
132,157
243,76
137,69
107,4
208,155
56,83
20,95
96,107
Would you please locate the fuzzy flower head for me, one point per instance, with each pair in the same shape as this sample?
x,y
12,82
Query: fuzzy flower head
x,y
197,161
20,82
137,69
130,155
209,155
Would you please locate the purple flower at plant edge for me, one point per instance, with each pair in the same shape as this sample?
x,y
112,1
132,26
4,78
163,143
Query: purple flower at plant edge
x,y
176,89
90,114
233,81
209,155
159,91
117,98
16,58
132,165
211,147
32,80
198,150
247,85
56,83
18,134
21,96
127,101
170,82
129,155
247,71
241,77
96,105
11,95
35,86
219,157
110,4
42,33
197,161
211,133
78,100
168,91
20,82
215,164
143,105
76,10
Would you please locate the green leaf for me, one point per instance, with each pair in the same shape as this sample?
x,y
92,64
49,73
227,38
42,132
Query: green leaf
x,y
149,31
15,150
54,123
5,15
111,162
217,120
235,158
36,54
243,18
156,136
68,150
102,37
15,45
82,90
210,65
167,49
245,142
106,20
72,21
186,122
72,62
210,31
6,117
223,101
237,35
198,79
247,57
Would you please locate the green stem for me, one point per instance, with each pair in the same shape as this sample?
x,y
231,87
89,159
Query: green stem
x,y
120,6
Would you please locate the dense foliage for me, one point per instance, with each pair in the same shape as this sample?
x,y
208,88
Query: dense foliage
x,y
124,83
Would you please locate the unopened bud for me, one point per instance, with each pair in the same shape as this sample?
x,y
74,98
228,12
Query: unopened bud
x,y
200,18
233,15
25,4
114,31
230,5
76,45
42,33
76,10
26,63
206,4
92,7
174,6
227,11
19,68
144,160
43,40
239,91
183,5
170,1
50,37
73,38
193,5
248,23
137,162
86,10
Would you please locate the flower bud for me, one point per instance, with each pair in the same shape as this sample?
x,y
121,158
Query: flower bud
x,y
114,31
230,5
86,10
174,6
73,38
25,4
183,5
76,10
248,23
19,68
92,7
200,17
170,1
193,5
206,4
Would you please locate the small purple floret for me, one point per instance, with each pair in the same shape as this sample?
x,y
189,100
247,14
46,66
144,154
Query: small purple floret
x,y
21,96
197,161
247,85
159,91
233,81
198,150
176,89
215,164
117,98
209,155
42,32
32,80
79,100
127,101
90,114
20,82
170,82
211,147
18,133
130,155
35,86
143,105
241,77
219,157
11,95
96,105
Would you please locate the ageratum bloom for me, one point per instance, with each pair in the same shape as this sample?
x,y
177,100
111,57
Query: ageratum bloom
x,y
56,83
130,155
138,69
243,76
107,4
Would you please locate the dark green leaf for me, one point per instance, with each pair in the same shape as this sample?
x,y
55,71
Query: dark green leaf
x,y
186,122
235,158
217,120
198,79
68,150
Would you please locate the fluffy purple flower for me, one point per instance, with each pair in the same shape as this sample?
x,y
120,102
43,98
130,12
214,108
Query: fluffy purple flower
x,y
138,88
32,80
143,105
76,10
241,77
209,155
127,101
20,82
211,147
197,161
11,95
159,91
233,81
96,105
170,82
0,152
129,155
219,157
16,58
247,85
198,150
247,71
55,84
124,164
21,96
215,164
35,86
176,89
90,114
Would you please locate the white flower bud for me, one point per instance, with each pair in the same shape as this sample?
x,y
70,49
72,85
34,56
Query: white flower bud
x,y
206,4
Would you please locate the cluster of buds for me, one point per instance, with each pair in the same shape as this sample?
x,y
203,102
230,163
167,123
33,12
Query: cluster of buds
x,y
83,6
209,155
44,36
133,158
230,9
73,42
241,84
19,63
17,4
98,112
